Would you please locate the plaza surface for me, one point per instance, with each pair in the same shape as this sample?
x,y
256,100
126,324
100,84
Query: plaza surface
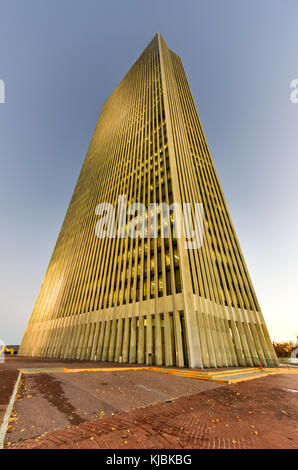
x,y
140,408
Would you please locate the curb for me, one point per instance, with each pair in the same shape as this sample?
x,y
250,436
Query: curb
x,y
5,422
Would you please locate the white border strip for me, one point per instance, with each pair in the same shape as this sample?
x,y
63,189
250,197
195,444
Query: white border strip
x,y
4,425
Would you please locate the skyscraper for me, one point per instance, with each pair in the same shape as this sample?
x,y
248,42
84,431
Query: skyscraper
x,y
142,299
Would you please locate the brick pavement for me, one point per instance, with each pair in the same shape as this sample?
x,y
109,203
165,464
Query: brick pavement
x,y
250,415
49,402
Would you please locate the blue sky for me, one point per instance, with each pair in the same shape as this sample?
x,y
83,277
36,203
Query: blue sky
x,y
61,59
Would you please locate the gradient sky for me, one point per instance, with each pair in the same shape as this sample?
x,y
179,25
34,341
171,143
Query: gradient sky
x,y
61,59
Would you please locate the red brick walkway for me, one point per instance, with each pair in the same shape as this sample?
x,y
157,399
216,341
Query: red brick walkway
x,y
256,414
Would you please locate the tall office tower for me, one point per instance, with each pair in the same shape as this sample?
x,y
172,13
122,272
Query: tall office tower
x,y
149,300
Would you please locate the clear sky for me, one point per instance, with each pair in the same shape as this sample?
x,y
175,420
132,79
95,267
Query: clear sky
x,y
61,59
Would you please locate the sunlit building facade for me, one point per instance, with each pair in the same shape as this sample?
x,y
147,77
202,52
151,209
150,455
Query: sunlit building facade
x,y
149,300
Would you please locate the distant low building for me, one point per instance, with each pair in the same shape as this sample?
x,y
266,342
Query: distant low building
x,y
14,347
